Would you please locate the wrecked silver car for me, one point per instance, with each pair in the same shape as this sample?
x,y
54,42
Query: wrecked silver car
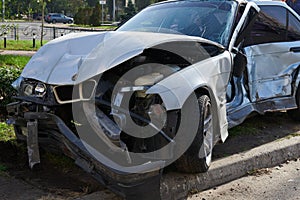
x,y
162,89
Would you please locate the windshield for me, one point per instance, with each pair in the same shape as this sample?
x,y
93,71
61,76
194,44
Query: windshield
x,y
212,20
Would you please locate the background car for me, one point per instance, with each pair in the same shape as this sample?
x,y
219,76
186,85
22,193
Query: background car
x,y
37,16
58,18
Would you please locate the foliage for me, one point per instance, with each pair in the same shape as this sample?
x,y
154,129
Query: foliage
x,y
10,70
6,132
65,6
142,4
83,16
16,9
95,18
92,3
129,12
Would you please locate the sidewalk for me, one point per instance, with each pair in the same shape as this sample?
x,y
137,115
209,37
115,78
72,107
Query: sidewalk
x,y
14,52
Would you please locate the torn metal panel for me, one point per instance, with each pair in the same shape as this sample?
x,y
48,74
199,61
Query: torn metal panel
x,y
32,143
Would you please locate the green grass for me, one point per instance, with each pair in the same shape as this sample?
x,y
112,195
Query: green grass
x,y
6,132
12,60
25,45
244,129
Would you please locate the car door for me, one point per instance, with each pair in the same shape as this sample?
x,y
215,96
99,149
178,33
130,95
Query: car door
x,y
273,52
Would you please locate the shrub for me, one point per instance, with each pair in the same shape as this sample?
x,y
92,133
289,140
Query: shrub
x,y
83,16
10,70
8,74
95,20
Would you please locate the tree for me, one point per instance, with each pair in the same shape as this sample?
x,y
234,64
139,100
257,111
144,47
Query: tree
x,y
83,15
140,4
95,18
92,3
66,6
129,12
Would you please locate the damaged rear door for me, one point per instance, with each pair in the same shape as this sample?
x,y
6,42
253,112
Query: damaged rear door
x,y
273,52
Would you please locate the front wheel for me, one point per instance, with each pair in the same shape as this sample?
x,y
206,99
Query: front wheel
x,y
199,155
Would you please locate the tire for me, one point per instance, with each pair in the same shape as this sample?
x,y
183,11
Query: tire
x,y
53,21
295,113
70,22
199,155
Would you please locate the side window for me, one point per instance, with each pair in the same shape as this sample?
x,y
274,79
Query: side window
x,y
270,26
294,28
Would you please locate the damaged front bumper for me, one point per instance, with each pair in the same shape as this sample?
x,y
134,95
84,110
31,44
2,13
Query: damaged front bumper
x,y
39,127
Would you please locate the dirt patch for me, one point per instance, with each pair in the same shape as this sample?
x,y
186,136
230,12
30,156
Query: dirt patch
x,y
64,180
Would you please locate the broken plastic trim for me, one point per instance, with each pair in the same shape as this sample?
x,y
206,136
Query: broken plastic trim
x,y
75,95
132,186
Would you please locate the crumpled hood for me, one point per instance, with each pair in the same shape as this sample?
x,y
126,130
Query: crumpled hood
x,y
77,57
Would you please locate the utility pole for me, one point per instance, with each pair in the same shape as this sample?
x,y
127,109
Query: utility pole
x,y
102,2
114,10
43,16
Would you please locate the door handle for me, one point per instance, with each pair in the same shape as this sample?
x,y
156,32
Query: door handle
x,y
295,49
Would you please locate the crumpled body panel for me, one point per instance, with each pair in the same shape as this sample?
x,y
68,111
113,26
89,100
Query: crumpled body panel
x,y
77,57
213,74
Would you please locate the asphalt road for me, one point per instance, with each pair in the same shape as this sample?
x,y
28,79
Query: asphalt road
x,y
280,182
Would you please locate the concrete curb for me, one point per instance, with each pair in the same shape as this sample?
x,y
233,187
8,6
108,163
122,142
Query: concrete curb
x,y
227,169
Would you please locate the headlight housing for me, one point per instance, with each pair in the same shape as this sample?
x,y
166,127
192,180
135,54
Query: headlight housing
x,y
33,88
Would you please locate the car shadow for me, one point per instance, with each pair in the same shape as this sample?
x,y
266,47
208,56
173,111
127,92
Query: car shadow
x,y
256,131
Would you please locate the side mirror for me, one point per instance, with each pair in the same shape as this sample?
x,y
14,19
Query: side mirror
x,y
239,65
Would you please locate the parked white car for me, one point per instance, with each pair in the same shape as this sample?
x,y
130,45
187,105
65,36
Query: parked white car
x,y
162,89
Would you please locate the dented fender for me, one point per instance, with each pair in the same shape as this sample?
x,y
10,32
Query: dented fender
x,y
211,74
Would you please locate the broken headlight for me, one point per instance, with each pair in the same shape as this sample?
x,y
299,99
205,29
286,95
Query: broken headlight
x,y
33,88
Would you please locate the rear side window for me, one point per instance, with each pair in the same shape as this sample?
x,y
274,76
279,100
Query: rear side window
x,y
274,24
294,28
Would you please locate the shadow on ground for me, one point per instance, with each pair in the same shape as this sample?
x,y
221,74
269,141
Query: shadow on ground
x,y
256,131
